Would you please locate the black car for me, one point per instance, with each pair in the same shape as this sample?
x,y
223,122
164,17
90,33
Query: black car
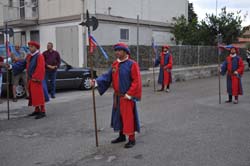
x,y
68,77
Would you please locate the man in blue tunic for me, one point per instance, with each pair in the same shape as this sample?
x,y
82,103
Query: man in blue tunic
x,y
124,75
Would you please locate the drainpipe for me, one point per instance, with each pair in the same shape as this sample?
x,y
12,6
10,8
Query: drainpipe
x,y
85,64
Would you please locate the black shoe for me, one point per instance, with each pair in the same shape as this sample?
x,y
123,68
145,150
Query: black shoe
x,y
33,113
159,90
119,139
236,102
228,101
53,97
40,115
130,144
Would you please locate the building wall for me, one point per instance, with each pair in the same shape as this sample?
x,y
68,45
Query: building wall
x,y
64,13
103,35
48,34
152,10
49,9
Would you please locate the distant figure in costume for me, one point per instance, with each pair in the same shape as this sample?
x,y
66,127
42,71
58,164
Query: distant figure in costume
x,y
234,67
126,81
165,60
35,66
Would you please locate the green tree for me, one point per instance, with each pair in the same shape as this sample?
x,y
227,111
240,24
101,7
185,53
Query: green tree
x,y
185,30
191,14
227,24
191,32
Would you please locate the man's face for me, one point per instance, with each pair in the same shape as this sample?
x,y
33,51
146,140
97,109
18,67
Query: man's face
x,y
32,48
17,48
120,54
49,46
165,50
233,51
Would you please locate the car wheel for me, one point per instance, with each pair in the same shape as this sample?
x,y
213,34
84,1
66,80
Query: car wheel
x,y
86,83
20,91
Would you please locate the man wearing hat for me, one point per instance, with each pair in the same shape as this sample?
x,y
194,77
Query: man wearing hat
x,y
165,60
125,77
234,67
35,66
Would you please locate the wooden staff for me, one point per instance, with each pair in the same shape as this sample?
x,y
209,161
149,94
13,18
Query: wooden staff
x,y
94,23
153,57
219,61
93,97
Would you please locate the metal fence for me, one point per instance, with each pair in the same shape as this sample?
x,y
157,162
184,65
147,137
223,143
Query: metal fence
x,y
182,56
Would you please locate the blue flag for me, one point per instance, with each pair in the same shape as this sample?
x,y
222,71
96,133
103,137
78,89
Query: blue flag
x,y
93,42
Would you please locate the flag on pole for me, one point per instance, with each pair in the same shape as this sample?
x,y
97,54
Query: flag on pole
x,y
93,44
154,47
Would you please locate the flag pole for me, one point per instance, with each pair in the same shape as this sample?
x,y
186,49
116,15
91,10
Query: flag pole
x,y
92,78
153,57
219,61
93,97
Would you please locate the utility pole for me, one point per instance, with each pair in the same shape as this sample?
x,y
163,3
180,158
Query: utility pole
x,y
218,53
137,44
84,36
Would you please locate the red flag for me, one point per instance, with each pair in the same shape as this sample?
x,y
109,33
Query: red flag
x,y
92,45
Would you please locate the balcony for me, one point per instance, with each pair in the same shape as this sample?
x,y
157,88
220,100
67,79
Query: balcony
x,y
20,16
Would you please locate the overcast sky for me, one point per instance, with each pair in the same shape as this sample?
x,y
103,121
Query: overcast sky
x,y
201,7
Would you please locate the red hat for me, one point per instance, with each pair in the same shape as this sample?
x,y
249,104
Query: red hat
x,y
165,46
33,43
122,46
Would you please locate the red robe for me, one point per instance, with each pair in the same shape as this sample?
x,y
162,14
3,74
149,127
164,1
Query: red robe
x,y
126,79
231,65
167,68
36,88
166,63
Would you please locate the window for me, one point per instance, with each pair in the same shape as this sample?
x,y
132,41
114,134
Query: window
x,y
34,36
22,9
10,3
124,34
34,8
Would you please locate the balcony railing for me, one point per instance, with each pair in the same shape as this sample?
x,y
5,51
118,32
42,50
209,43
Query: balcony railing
x,y
21,16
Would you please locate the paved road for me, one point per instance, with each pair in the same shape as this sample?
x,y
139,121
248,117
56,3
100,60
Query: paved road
x,y
186,127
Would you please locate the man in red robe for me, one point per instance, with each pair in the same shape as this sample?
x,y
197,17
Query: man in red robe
x,y
126,82
35,66
36,71
234,67
165,60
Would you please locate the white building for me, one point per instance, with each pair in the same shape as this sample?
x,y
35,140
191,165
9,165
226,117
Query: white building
x,y
58,21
